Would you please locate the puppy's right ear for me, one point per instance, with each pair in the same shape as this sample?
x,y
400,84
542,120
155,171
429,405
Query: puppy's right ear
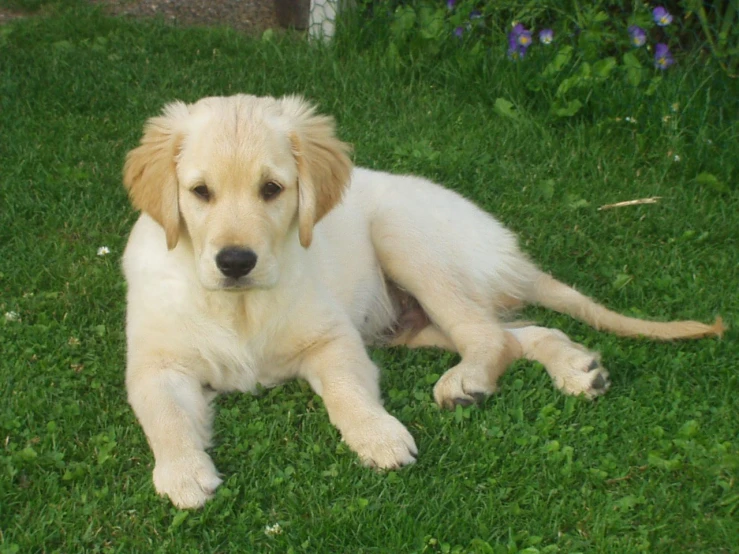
x,y
150,174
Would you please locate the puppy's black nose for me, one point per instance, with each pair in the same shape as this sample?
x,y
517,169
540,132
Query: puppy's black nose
x,y
236,262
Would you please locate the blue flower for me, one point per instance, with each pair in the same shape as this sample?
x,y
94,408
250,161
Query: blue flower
x,y
546,36
519,39
459,31
638,36
662,56
450,4
661,16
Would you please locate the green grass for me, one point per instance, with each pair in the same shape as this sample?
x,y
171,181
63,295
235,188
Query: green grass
x,y
652,466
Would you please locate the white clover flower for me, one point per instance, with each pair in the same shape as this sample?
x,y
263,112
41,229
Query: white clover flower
x,y
272,530
12,316
676,158
103,251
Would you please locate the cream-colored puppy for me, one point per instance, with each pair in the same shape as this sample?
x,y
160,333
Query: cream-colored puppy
x,y
234,283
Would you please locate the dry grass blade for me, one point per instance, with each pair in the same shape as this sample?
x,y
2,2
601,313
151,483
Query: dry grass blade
x,y
652,200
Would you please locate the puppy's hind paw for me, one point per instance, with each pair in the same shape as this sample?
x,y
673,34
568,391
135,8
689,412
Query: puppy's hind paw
x,y
582,375
463,385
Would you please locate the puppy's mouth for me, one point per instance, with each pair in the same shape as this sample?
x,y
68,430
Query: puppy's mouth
x,y
230,284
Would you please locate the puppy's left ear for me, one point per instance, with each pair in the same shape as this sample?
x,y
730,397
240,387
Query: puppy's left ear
x,y
323,163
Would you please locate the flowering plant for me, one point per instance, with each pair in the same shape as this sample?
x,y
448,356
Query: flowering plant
x,y
567,53
576,64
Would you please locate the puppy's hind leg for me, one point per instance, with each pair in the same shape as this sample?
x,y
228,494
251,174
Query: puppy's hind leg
x,y
462,318
573,369
486,349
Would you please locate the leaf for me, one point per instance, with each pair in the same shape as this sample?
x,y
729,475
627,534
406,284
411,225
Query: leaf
x,y
404,21
634,69
634,75
63,45
546,189
656,460
563,56
579,203
431,24
689,429
393,55
505,108
711,181
654,83
567,84
28,454
570,109
178,519
630,60
603,68
621,281
479,546
628,502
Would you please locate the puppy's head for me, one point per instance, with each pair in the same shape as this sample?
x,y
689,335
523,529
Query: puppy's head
x,y
240,178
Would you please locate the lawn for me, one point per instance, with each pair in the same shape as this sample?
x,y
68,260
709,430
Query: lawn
x,y
650,467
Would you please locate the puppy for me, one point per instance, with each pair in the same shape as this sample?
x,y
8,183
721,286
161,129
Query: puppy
x,y
263,256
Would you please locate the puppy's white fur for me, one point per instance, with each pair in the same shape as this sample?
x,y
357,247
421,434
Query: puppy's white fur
x,y
331,276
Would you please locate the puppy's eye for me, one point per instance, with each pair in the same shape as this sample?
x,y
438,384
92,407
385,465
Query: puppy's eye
x,y
270,190
202,192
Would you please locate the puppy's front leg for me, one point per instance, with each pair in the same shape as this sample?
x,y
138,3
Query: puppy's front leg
x,y
176,417
343,375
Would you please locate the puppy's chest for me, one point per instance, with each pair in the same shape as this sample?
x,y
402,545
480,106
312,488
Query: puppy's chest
x,y
234,362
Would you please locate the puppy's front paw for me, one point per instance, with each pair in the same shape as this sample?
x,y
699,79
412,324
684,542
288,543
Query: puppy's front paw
x,y
382,442
189,481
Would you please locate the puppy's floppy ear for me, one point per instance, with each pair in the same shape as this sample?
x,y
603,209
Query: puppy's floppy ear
x,y
150,170
323,163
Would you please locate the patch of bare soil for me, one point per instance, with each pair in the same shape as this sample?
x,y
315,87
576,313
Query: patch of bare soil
x,y
9,15
249,16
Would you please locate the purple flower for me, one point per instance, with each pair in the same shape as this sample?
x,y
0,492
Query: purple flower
x,y
638,36
459,31
661,16
662,56
519,39
450,4
524,39
546,36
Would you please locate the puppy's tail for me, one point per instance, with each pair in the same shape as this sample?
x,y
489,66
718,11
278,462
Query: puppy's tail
x,y
553,294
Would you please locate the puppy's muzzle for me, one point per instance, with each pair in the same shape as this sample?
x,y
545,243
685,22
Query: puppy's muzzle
x,y
235,262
